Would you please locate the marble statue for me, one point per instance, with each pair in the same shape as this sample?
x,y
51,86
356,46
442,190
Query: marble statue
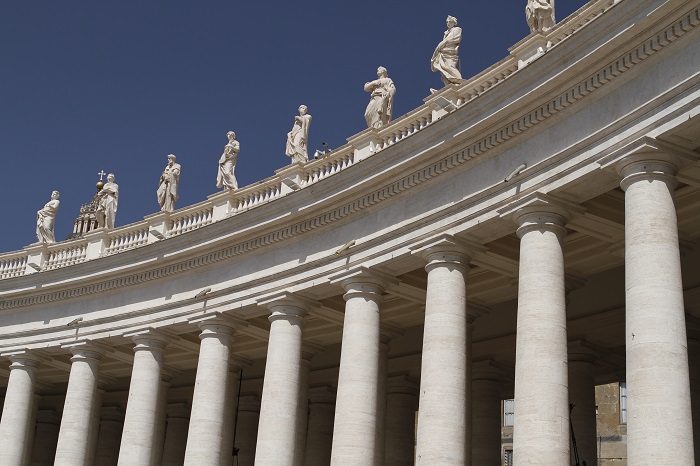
x,y
298,137
540,15
168,184
108,196
381,102
227,163
46,218
445,58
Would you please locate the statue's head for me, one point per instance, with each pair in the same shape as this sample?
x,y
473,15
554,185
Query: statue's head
x,y
110,177
171,158
231,135
55,195
381,71
303,109
451,21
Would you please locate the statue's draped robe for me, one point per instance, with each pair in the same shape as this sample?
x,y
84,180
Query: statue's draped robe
x,y
380,107
107,206
446,59
227,166
298,139
45,220
540,15
167,189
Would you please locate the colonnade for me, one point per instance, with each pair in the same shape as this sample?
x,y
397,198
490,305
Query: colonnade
x,y
370,420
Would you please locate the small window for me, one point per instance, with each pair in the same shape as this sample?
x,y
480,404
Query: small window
x,y
623,402
509,458
508,412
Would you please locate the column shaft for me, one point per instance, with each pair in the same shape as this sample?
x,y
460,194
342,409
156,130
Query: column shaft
x,y
583,417
541,430
401,406
109,436
15,426
78,420
444,390
320,431
355,429
247,432
138,436
45,438
205,438
302,409
176,435
659,425
486,420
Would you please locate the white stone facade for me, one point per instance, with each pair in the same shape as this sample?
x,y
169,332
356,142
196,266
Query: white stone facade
x,y
459,289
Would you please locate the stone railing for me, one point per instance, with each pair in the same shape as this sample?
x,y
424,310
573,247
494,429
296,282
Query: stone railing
x,y
219,206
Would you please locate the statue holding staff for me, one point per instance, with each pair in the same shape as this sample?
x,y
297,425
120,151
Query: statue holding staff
x,y
106,212
168,184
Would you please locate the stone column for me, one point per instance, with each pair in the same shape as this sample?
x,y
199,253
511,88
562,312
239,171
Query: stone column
x,y
385,336
161,417
694,366
234,379
17,412
178,419
320,431
303,408
109,437
444,391
95,421
487,381
541,430
582,397
45,438
277,431
138,436
77,422
207,431
401,407
659,422
355,429
247,433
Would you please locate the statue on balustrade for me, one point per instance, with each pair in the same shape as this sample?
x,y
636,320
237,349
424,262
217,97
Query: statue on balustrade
x,y
446,56
298,137
168,184
108,197
381,102
46,218
227,163
540,15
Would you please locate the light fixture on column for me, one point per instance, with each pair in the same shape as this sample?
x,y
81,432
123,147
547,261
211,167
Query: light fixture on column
x,y
74,322
345,247
515,172
202,293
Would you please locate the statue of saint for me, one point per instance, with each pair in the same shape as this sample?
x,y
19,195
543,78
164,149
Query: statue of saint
x,y
46,218
381,103
106,211
540,15
227,163
298,137
168,184
445,58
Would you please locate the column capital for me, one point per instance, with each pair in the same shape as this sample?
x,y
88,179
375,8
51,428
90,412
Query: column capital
x,y
402,384
215,324
361,281
286,305
447,249
321,395
539,211
23,359
148,339
86,349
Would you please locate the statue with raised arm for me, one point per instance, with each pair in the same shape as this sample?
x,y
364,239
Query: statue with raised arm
x,y
168,184
540,15
106,212
298,137
227,163
381,104
446,56
46,219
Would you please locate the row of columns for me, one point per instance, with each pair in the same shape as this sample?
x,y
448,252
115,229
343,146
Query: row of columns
x,y
659,422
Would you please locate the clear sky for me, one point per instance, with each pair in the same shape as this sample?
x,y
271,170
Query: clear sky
x,y
91,85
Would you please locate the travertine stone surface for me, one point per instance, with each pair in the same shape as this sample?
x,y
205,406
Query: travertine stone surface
x,y
659,425
207,428
320,429
303,407
401,406
17,412
247,433
178,419
582,396
355,427
111,425
443,388
45,438
487,381
541,432
77,422
280,397
138,436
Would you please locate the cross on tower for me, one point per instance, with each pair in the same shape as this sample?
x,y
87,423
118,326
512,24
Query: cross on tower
x,y
101,173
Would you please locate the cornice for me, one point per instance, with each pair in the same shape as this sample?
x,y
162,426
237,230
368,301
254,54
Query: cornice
x,y
626,61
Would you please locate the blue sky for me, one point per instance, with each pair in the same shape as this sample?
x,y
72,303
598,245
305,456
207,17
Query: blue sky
x,y
116,86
